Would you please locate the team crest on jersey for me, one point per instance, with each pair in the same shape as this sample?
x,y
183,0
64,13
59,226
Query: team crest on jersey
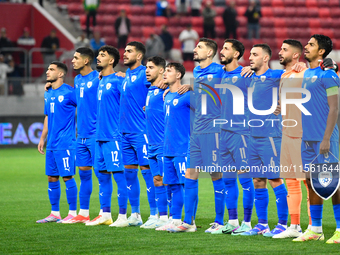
x,y
133,78
61,98
175,102
89,84
156,92
234,79
210,77
314,78
263,78
325,178
108,86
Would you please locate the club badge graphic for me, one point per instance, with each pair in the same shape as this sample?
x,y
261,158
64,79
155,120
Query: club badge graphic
x,y
324,179
61,98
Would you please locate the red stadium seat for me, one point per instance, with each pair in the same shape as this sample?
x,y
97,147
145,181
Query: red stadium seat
x,y
324,13
242,3
300,3
148,20
266,3
242,10
110,20
242,21
219,22
189,65
290,12
75,9
184,21
159,21
267,22
147,31
311,3
149,10
108,31
280,23
289,3
327,23
199,31
136,9
280,33
334,4
336,34
302,12
328,32
313,12
267,12
314,23
136,31
175,31
323,3
100,19
175,21
177,44
278,12
266,32
335,13
242,32
197,21
220,32
277,3
219,11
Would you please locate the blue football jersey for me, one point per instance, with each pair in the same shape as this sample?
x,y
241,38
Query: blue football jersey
x,y
236,123
133,98
317,81
86,91
206,99
60,108
177,126
263,85
154,113
108,108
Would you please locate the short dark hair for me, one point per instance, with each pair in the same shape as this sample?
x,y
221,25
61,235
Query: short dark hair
x,y
86,52
264,47
295,43
140,47
237,45
210,43
60,65
178,67
324,43
158,61
113,52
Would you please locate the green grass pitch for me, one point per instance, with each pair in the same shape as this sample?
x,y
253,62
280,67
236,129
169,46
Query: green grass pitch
x,y
24,199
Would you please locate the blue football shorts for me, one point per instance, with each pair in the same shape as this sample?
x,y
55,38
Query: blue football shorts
x,y
135,149
174,170
108,156
60,163
85,151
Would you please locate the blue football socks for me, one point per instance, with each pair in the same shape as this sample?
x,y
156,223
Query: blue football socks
x,y
190,198
150,188
54,192
85,188
133,187
71,194
122,193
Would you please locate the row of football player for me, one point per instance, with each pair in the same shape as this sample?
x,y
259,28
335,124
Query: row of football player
x,y
270,138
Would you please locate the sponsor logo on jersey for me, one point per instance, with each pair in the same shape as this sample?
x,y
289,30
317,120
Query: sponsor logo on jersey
x,y
133,78
89,84
108,86
155,92
61,98
175,102
234,79
263,78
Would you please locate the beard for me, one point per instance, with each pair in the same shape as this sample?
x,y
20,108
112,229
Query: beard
x,y
99,68
226,61
308,59
51,80
131,63
286,61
